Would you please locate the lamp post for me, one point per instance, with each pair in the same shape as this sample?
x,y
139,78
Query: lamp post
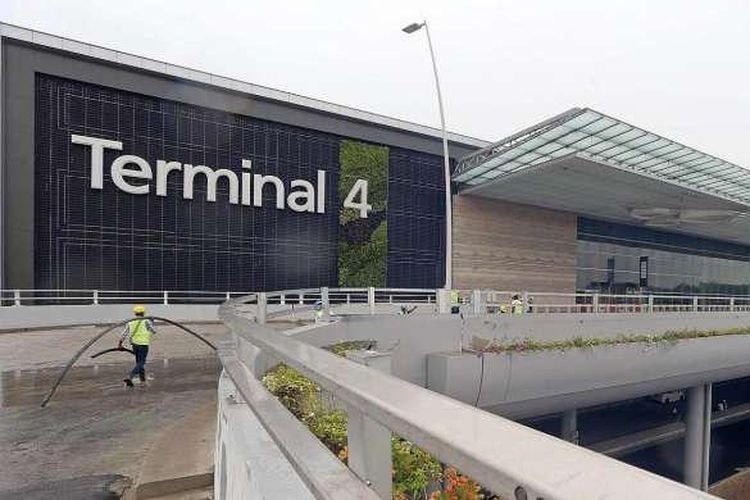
x,y
448,208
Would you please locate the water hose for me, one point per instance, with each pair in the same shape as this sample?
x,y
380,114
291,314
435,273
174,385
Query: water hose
x,y
113,349
104,332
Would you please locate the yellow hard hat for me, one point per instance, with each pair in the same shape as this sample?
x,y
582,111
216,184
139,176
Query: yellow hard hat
x,y
139,309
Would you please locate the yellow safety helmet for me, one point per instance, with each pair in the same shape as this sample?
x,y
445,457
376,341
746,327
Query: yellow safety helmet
x,y
139,309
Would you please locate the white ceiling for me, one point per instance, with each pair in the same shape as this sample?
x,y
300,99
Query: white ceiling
x,y
603,191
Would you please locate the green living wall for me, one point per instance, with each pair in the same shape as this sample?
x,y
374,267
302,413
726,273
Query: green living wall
x,y
363,243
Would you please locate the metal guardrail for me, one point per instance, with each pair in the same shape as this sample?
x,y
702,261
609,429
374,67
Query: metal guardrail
x,y
479,301
29,297
509,459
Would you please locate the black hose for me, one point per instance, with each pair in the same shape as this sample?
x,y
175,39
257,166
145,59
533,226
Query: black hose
x,y
104,332
114,349
481,380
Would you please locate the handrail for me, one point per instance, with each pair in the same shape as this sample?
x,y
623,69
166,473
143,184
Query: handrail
x,y
510,459
481,301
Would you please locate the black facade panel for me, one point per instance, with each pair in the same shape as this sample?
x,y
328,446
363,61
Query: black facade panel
x,y
109,239
644,237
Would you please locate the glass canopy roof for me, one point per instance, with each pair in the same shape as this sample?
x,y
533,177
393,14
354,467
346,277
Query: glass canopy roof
x,y
593,135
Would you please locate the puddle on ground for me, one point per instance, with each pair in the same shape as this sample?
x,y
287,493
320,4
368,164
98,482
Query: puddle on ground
x,y
28,387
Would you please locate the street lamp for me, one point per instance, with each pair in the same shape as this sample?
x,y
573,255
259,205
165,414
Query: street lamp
x,y
412,28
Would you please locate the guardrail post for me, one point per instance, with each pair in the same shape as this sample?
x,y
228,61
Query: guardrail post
x,y
731,304
262,306
369,442
326,300
165,297
444,300
697,437
650,303
371,299
96,297
695,304
17,297
227,297
525,302
569,430
595,302
476,302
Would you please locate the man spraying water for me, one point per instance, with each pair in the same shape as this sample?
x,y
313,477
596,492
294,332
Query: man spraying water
x,y
138,332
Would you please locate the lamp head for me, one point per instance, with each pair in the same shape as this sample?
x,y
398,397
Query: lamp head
x,y
412,28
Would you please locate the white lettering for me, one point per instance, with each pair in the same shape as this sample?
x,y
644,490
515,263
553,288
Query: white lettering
x,y
359,187
212,178
244,186
261,180
97,155
321,191
247,182
308,194
162,172
119,173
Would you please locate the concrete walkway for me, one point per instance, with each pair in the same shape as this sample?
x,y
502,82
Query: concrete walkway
x,y
96,436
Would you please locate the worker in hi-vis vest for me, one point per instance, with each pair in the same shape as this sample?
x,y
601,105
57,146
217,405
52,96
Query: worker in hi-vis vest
x,y
455,302
516,305
138,332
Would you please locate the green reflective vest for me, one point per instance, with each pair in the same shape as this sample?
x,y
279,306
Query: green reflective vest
x,y
454,297
139,333
516,306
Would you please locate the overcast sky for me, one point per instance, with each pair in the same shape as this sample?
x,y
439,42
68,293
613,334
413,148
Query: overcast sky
x,y
676,67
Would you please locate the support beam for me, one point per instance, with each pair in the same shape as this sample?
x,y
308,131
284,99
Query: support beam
x,y
369,442
697,437
569,430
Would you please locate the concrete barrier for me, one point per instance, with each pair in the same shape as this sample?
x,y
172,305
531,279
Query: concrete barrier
x,y
518,384
249,463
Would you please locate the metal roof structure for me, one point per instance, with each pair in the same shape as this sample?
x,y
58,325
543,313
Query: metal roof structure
x,y
586,162
593,135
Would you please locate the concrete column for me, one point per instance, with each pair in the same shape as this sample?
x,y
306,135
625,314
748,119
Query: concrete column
x,y
697,437
476,302
262,307
371,299
369,442
326,300
569,431
444,301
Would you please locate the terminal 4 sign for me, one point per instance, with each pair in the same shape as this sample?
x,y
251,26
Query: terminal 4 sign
x,y
134,175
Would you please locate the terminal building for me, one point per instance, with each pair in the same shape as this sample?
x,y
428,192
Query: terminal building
x,y
119,172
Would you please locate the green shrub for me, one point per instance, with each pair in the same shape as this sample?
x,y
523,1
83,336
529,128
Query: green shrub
x,y
413,470
296,392
330,427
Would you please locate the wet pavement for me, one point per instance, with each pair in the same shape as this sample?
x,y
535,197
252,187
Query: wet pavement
x,y
95,433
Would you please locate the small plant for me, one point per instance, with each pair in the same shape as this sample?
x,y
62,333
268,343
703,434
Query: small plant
x,y
413,470
330,427
457,487
533,345
293,390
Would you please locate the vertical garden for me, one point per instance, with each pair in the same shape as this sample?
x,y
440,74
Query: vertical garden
x,y
363,242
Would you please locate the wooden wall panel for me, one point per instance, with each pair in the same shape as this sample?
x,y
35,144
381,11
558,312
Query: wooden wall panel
x,y
506,246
